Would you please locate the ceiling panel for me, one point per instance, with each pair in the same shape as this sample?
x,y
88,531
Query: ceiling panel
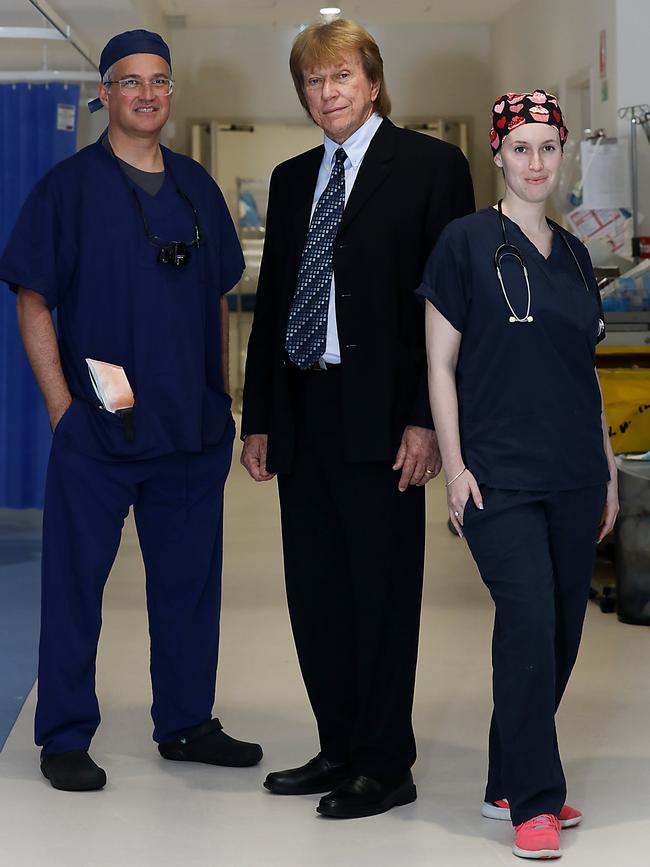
x,y
98,17
91,20
95,21
208,13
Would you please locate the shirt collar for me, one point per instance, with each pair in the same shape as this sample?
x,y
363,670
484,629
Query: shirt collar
x,y
356,146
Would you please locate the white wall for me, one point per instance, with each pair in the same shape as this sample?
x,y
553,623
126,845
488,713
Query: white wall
x,y
252,155
242,75
555,44
547,44
633,33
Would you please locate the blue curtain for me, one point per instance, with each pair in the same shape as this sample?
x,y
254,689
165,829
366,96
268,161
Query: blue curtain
x,y
38,127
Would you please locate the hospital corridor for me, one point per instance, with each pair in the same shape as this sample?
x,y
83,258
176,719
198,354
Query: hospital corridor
x,y
324,433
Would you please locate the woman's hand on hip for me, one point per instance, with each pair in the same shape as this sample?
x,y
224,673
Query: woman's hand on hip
x,y
611,509
458,494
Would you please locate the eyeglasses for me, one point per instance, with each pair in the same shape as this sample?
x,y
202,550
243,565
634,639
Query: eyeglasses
x,y
161,85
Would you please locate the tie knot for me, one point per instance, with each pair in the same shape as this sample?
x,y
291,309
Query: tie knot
x,y
340,156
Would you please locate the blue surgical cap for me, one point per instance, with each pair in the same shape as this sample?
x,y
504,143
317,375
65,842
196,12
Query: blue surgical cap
x,y
124,44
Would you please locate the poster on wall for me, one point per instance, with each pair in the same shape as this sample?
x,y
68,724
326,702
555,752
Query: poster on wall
x,y
608,226
65,117
605,179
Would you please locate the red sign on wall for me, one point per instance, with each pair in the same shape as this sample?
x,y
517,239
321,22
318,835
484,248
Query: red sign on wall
x,y
644,246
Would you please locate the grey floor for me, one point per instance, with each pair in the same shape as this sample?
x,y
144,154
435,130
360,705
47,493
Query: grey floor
x,y
161,813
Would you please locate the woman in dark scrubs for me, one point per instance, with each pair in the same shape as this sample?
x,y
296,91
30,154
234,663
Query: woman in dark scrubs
x,y
531,478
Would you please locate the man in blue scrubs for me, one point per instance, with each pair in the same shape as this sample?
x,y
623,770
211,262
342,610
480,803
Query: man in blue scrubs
x,y
134,247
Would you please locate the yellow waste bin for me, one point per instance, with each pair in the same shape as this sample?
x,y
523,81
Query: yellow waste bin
x,y
626,395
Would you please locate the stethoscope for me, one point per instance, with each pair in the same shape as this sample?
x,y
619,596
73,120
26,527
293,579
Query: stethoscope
x,y
508,249
175,253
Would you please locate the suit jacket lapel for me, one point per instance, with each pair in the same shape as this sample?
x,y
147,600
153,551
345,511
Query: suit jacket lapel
x,y
305,186
373,171
298,205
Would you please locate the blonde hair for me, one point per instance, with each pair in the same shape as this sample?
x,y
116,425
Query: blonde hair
x,y
323,44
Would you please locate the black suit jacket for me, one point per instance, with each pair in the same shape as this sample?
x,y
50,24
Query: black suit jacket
x,y
409,186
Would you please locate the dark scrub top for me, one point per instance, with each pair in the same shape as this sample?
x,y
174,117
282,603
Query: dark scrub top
x,y
528,398
80,242
150,182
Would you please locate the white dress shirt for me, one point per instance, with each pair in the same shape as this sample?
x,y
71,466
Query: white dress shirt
x,y
355,148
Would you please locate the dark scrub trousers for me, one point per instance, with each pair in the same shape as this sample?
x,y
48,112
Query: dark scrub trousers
x,y
81,243
531,433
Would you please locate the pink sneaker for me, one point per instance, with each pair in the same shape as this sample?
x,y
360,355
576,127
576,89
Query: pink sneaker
x,y
569,816
538,838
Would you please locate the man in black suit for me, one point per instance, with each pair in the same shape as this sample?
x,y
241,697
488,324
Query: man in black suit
x,y
335,404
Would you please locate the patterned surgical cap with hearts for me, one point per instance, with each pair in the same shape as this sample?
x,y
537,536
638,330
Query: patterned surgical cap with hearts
x,y
514,109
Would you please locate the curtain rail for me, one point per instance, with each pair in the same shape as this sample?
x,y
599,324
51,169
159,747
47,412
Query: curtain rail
x,y
30,33
65,30
46,75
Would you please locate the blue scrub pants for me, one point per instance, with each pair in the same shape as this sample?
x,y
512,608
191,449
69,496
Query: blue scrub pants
x,y
178,506
535,551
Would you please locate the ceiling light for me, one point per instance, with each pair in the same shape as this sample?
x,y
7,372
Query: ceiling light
x,y
330,13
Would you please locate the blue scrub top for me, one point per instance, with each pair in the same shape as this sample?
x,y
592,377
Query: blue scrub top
x,y
528,397
80,242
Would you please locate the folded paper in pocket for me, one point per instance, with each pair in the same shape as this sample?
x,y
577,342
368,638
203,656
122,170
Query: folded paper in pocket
x,y
111,385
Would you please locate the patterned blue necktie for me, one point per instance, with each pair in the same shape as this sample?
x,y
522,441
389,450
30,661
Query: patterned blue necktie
x,y
307,329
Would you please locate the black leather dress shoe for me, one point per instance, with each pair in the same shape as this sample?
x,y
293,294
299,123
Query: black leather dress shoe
x,y
361,796
318,775
209,744
73,772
